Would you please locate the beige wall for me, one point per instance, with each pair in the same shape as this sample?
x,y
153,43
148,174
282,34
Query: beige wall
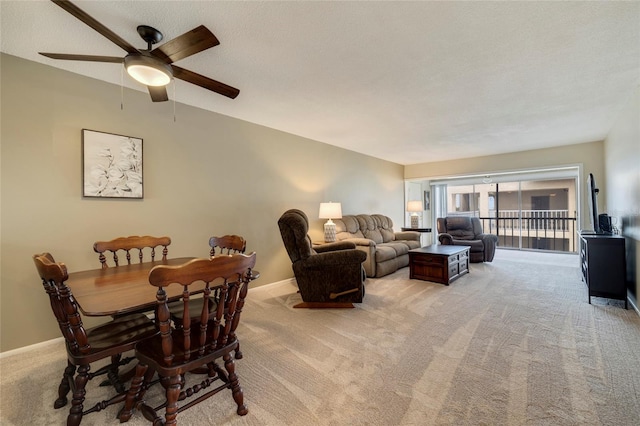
x,y
622,153
205,174
589,155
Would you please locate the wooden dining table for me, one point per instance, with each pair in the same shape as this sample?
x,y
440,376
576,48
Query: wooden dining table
x,y
120,289
124,289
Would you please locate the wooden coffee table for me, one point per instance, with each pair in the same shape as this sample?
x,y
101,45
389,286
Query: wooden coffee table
x,y
438,263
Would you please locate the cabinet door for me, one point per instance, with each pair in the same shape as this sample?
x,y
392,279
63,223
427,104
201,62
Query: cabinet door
x,y
606,267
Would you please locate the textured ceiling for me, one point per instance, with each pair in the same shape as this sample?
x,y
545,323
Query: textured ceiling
x,y
408,82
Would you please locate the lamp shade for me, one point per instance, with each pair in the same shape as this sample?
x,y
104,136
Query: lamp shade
x,y
330,211
148,70
414,206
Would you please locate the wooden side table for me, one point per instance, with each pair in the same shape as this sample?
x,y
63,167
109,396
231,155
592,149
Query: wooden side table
x,y
439,263
421,230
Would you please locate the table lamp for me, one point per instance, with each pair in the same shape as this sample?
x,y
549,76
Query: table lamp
x,y
414,207
330,211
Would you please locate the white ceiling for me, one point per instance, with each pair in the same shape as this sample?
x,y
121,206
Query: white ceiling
x,y
408,82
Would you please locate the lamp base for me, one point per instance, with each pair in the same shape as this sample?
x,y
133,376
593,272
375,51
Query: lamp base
x,y
329,232
415,221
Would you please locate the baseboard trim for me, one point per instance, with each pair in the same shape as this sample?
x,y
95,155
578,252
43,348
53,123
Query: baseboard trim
x,y
18,351
266,286
633,304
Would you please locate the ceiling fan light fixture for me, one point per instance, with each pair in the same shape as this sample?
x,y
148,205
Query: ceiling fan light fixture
x,y
148,70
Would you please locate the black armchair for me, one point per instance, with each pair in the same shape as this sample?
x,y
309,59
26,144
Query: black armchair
x,y
467,231
330,275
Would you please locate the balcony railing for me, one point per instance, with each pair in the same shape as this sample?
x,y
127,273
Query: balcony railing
x,y
550,230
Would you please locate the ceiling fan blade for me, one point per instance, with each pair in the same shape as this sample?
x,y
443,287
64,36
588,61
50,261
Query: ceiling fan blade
x,y
206,82
87,19
89,58
158,93
192,42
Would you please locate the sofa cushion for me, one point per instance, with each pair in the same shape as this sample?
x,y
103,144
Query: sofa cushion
x,y
384,253
375,235
385,226
411,244
369,228
399,247
348,227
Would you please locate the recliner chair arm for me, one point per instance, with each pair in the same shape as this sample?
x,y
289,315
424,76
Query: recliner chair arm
x,y
490,242
445,239
332,259
487,237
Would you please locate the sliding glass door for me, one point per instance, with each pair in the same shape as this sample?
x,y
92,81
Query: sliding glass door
x,y
475,199
538,214
530,214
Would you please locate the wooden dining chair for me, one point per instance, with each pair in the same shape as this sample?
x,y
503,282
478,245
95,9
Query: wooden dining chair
x,y
127,244
226,245
87,345
229,244
175,352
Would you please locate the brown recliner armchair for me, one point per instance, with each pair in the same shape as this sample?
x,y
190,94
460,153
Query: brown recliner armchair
x,y
330,275
467,231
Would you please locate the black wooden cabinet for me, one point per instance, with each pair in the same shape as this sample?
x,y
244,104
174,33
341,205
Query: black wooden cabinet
x,y
602,259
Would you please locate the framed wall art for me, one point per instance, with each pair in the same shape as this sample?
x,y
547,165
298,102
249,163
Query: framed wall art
x,y
427,200
111,165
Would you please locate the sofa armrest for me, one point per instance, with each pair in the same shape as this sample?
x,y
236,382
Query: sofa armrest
x,y
408,235
361,242
445,239
337,246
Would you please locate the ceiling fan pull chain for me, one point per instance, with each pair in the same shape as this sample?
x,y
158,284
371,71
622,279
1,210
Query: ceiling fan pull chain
x,y
122,88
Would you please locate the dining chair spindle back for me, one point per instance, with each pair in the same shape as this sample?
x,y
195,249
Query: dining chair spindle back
x,y
228,244
128,244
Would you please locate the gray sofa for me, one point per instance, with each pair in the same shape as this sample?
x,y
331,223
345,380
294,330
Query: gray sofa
x,y
387,251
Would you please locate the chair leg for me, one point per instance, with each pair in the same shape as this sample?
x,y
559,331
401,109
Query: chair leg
x,y
65,387
113,375
234,383
173,393
79,392
232,336
214,369
134,394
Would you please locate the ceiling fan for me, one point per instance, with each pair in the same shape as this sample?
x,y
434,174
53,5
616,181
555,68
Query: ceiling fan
x,y
152,67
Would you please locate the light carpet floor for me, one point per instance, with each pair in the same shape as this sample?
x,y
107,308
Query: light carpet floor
x,y
512,343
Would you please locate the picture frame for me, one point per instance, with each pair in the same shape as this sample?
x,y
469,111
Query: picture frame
x,y
112,165
427,200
